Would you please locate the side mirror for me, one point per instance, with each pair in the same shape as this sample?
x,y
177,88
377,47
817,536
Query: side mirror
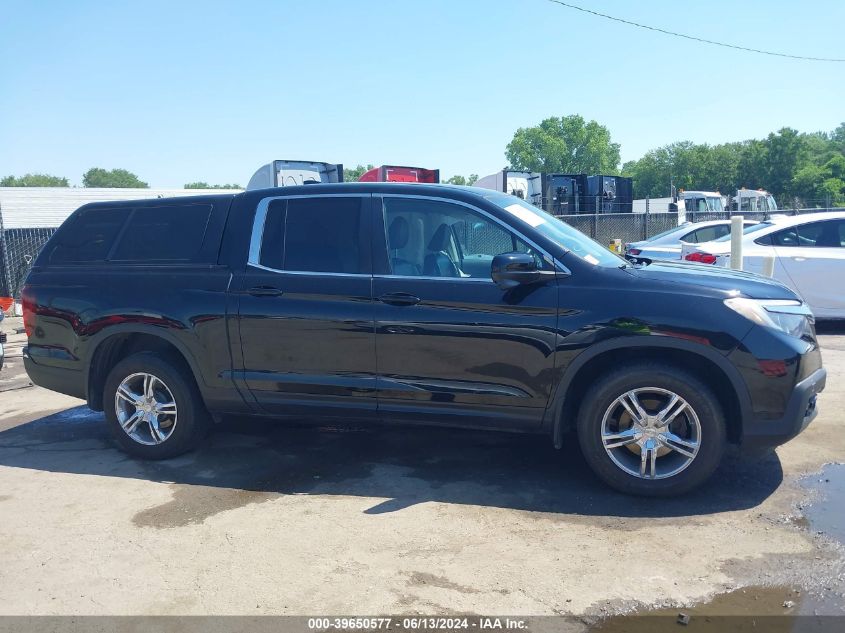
x,y
510,270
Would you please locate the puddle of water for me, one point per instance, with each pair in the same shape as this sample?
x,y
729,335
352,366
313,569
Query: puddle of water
x,y
763,608
827,513
192,505
747,609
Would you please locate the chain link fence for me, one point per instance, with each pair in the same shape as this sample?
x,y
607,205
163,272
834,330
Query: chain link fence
x,y
18,249
807,205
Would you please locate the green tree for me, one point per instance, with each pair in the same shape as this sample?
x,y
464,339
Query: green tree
x,y
752,171
720,169
567,144
785,153
807,181
98,177
353,174
820,147
205,185
837,137
832,190
34,180
787,163
835,167
819,185
460,180
683,165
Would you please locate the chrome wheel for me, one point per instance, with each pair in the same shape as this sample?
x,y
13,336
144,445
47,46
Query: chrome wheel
x,y
146,409
651,433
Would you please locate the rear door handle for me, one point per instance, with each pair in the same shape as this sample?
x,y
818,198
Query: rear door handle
x,y
399,299
798,258
265,291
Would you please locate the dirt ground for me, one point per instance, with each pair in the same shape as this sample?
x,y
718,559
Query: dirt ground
x,y
271,519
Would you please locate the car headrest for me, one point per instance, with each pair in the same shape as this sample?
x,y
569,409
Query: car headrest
x,y
398,233
440,239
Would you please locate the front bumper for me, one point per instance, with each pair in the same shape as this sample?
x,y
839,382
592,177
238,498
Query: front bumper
x,y
801,409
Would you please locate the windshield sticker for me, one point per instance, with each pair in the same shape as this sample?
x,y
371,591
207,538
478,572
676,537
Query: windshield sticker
x,y
591,259
526,215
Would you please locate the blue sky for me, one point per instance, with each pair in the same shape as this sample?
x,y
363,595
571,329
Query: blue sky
x,y
184,91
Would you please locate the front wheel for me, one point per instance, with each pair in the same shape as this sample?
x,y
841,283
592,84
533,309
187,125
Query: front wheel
x,y
153,407
651,430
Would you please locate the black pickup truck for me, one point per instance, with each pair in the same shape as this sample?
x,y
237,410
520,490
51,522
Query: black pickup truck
x,y
413,303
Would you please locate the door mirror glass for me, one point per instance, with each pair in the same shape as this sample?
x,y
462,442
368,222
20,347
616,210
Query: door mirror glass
x,y
514,269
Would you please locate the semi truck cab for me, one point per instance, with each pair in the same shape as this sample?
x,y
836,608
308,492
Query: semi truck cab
x,y
288,173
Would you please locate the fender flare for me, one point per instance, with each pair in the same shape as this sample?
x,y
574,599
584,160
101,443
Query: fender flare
x,y
554,412
95,342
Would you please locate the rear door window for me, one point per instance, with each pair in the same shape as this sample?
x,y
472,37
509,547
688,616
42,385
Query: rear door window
x,y
87,236
321,235
825,234
708,233
166,233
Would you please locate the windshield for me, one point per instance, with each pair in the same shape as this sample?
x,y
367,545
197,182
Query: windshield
x,y
698,204
715,204
558,231
772,204
751,229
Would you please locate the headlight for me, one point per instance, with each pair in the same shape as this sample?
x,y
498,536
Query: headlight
x,y
792,317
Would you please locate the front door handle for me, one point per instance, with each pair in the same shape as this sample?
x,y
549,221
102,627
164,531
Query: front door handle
x,y
798,258
399,299
265,291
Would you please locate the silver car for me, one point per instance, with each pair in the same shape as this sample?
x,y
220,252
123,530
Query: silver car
x,y
667,245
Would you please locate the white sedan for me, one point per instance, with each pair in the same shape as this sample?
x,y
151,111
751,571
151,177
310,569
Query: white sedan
x,y
667,245
808,252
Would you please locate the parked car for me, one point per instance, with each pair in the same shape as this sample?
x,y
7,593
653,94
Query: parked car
x,y
809,254
413,303
667,245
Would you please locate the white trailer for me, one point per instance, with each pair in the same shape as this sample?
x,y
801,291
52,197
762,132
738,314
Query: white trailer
x,y
287,173
685,201
753,201
522,184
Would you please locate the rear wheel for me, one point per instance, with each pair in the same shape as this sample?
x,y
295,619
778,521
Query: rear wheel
x,y
651,430
153,407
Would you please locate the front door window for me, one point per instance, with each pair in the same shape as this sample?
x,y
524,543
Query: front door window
x,y
430,238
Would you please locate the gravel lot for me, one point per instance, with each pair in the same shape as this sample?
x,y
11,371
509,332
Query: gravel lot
x,y
271,519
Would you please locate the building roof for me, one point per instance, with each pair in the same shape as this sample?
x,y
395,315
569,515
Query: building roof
x,y
48,207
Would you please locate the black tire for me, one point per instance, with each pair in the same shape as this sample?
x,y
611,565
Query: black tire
x,y
699,397
192,421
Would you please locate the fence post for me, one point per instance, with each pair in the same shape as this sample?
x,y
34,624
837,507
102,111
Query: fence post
x,y
4,261
647,219
768,266
736,242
